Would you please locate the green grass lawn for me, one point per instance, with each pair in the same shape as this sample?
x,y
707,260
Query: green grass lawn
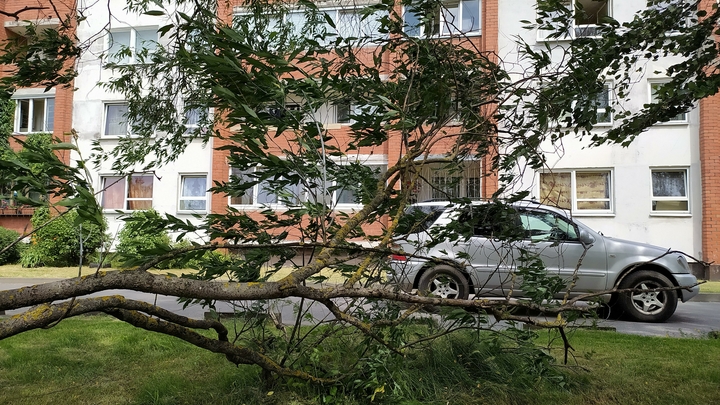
x,y
98,360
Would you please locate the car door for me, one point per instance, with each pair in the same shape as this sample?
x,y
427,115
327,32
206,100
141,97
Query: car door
x,y
492,260
555,239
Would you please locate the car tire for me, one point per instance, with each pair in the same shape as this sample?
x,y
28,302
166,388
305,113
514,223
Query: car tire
x,y
444,282
655,306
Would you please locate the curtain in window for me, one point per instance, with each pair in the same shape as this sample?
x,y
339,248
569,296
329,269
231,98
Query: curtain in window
x,y
140,192
113,195
555,189
115,119
592,186
193,186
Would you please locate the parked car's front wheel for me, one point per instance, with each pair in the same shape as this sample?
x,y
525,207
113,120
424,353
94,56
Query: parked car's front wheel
x,y
444,282
644,304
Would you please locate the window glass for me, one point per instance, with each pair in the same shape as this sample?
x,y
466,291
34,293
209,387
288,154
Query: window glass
x,y
146,39
669,190
555,189
470,15
604,116
577,190
113,194
350,195
116,120
140,188
34,114
654,88
545,226
593,190
412,23
118,41
237,175
193,193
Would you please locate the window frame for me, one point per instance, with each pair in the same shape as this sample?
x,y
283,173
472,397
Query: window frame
x,y
48,117
610,211
106,106
442,24
426,191
126,199
608,89
686,198
661,82
181,178
256,192
574,26
132,59
373,164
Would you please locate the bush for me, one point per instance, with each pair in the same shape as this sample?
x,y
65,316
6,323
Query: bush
x,y
143,235
58,243
12,255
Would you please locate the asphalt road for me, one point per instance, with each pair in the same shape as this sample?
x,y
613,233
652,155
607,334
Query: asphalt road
x,y
690,318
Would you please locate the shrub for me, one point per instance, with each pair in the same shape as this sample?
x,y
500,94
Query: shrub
x,y
12,255
143,234
58,242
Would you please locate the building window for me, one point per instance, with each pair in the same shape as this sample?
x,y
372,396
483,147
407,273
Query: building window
x,y
602,106
657,88
578,191
34,114
670,191
133,192
454,17
264,193
588,15
441,183
116,119
348,22
193,193
352,194
128,46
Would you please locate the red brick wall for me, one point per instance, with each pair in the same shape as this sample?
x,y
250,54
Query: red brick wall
x,y
19,220
710,175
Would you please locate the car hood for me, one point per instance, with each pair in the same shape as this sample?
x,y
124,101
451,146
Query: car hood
x,y
615,244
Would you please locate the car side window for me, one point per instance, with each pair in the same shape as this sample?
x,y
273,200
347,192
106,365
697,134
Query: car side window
x,y
540,226
493,220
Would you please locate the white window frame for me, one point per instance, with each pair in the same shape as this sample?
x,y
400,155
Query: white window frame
x,y
447,28
48,116
181,187
425,190
106,106
573,191
279,204
334,14
126,190
660,82
133,45
608,89
685,198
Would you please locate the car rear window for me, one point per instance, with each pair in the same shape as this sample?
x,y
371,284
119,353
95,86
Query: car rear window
x,y
418,218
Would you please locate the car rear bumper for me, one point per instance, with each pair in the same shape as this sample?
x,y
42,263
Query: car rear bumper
x,y
692,288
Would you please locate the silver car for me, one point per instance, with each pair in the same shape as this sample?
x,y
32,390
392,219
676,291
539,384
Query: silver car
x,y
453,252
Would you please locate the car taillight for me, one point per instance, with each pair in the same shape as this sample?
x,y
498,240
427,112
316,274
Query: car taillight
x,y
397,256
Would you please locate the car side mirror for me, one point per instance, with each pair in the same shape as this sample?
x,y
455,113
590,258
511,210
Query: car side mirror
x,y
586,238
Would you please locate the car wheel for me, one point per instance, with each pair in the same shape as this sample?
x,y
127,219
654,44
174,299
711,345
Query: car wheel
x,y
444,282
647,306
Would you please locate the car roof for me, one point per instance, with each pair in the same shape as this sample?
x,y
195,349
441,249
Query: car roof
x,y
518,204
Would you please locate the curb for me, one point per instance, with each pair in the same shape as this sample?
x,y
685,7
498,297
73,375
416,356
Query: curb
x,y
707,297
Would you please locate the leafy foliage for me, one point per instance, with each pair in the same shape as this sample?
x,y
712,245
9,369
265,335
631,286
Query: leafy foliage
x,y
143,235
12,255
57,240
